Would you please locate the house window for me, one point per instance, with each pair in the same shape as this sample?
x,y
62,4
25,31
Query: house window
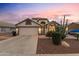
x,y
3,30
28,22
43,22
66,28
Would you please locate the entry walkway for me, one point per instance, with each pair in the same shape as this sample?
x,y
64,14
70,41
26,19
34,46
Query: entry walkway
x,y
70,37
42,37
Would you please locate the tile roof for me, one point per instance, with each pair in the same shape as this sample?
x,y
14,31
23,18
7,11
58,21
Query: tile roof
x,y
6,24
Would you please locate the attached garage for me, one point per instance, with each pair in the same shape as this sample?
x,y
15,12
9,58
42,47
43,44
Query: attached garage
x,y
28,31
27,27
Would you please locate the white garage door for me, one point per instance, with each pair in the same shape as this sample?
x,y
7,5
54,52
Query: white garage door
x,y
28,31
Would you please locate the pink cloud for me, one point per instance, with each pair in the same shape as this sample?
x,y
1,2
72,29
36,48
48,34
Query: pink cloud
x,y
72,9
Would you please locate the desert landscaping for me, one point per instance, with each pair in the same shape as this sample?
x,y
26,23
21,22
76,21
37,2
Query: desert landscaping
x,y
45,46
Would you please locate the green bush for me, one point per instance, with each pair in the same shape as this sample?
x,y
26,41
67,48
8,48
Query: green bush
x,y
49,34
58,35
61,30
56,38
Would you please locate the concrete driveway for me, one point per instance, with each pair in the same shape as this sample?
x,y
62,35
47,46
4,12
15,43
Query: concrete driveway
x,y
70,37
19,45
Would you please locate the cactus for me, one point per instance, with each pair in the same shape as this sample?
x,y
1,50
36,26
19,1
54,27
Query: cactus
x,y
60,33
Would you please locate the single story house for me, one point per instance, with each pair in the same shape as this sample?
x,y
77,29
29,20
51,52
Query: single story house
x,y
72,26
6,28
27,27
35,26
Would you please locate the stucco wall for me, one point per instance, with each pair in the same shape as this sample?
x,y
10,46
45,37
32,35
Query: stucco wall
x,y
28,31
23,24
43,21
24,29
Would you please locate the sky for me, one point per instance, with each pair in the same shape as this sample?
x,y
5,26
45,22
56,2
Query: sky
x,y
16,12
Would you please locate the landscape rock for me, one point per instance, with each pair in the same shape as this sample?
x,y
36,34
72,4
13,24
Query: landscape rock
x,y
65,44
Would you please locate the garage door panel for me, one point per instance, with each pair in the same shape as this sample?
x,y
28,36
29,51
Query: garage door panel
x,y
28,31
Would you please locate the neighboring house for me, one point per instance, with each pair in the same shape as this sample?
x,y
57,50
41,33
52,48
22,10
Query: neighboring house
x,y
27,27
35,26
6,28
72,26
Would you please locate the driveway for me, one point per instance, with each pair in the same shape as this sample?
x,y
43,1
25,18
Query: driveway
x,y
19,45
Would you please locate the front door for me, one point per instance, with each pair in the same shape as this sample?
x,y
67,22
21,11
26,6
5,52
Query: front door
x,y
41,31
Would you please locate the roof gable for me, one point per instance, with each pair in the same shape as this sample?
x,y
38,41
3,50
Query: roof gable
x,y
27,21
38,19
53,22
73,23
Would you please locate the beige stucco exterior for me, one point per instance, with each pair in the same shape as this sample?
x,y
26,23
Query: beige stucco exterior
x,y
38,26
24,29
28,31
23,24
52,26
46,22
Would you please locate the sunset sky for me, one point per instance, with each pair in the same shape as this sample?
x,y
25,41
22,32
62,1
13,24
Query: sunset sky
x,y
14,13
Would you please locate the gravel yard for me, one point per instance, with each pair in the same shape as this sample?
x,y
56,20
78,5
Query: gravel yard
x,y
45,46
4,37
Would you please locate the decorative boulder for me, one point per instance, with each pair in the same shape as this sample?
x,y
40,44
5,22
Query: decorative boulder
x,y
65,44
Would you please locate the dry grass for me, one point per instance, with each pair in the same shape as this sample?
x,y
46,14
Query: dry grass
x,y
4,36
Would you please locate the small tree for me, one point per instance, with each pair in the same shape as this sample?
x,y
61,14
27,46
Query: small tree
x,y
56,38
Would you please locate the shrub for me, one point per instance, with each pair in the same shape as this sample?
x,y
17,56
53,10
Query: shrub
x,y
49,34
58,35
61,30
56,38
13,33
